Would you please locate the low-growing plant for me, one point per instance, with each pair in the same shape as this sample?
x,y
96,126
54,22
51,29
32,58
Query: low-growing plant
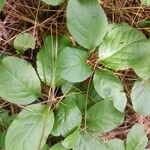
x,y
85,95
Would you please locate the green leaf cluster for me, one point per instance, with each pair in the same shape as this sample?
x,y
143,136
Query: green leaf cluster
x,y
84,97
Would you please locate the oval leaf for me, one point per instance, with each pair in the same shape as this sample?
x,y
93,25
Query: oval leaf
x,y
53,2
88,142
23,42
129,57
137,138
30,129
91,142
45,64
103,117
140,96
109,86
68,117
119,37
19,83
115,144
73,66
140,51
86,22
71,140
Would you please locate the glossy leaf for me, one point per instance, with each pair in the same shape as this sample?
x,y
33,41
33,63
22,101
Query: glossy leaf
x,y
71,140
86,22
53,2
23,42
30,129
103,117
129,58
68,117
19,83
140,96
45,60
109,86
137,138
73,66
58,146
119,37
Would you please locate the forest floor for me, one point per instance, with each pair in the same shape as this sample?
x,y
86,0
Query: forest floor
x,y
39,19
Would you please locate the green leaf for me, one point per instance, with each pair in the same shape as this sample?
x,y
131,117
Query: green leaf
x,y
115,144
71,140
58,146
137,138
86,22
145,2
45,58
23,42
93,95
144,23
109,86
53,2
119,37
89,142
129,58
5,119
73,66
19,82
79,91
139,51
103,117
31,128
2,2
79,99
140,96
75,91
68,117
68,87
2,139
45,147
